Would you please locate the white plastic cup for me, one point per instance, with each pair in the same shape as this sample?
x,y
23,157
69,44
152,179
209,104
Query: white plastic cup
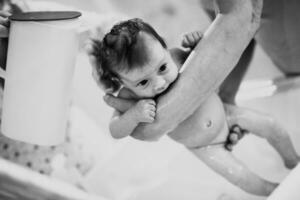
x,y
40,64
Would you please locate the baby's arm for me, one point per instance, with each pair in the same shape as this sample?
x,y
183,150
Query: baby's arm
x,y
122,124
189,40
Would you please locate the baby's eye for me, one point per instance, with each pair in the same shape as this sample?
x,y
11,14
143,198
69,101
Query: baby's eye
x,y
163,68
143,83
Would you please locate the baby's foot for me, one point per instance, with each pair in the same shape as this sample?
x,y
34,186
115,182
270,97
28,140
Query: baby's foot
x,y
235,134
290,164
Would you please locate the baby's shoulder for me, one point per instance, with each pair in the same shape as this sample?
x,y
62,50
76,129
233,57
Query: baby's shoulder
x,y
179,55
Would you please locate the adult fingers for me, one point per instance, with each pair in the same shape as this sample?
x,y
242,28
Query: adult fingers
x,y
3,32
4,14
4,23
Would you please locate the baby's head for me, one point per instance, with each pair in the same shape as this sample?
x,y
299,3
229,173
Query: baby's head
x,y
132,54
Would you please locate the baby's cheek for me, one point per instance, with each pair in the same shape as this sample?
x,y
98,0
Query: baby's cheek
x,y
172,76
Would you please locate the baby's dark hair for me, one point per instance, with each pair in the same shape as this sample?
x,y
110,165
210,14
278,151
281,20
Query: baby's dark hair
x,y
119,50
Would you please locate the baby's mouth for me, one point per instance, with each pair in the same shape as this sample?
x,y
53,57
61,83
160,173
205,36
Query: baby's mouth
x,y
162,90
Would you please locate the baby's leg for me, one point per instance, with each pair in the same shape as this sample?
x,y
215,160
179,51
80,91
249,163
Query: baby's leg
x,y
224,163
265,126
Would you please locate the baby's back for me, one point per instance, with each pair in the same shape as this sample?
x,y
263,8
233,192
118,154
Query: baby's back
x,y
206,126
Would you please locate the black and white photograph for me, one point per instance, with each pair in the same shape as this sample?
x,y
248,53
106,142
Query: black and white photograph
x,y
149,100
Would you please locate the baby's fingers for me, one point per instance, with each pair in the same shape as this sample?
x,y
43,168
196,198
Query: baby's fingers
x,y
197,35
187,41
190,40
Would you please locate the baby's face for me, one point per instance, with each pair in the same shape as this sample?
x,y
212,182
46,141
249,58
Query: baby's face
x,y
155,76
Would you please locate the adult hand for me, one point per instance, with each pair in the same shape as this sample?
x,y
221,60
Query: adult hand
x,y
4,24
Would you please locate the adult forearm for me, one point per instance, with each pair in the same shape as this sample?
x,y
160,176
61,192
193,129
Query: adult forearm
x,y
207,66
231,84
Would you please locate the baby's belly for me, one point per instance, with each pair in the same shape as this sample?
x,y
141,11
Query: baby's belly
x,y
207,125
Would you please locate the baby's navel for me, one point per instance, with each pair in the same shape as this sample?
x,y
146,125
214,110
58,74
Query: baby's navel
x,y
208,123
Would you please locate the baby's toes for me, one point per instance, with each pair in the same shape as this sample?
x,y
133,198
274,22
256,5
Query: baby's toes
x,y
234,138
152,113
150,119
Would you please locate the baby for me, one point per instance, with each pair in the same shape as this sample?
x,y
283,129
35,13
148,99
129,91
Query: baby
x,y
133,60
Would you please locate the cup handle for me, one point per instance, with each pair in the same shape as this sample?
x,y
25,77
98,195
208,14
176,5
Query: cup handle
x,y
2,73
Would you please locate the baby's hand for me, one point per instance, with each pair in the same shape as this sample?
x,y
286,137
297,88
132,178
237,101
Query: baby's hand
x,y
190,40
144,110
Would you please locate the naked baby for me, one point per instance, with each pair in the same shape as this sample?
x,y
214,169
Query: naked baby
x,y
133,60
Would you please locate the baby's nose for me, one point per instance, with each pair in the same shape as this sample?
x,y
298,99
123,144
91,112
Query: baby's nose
x,y
160,85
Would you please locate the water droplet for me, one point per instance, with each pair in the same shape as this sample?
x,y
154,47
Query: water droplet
x,y
230,171
211,157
